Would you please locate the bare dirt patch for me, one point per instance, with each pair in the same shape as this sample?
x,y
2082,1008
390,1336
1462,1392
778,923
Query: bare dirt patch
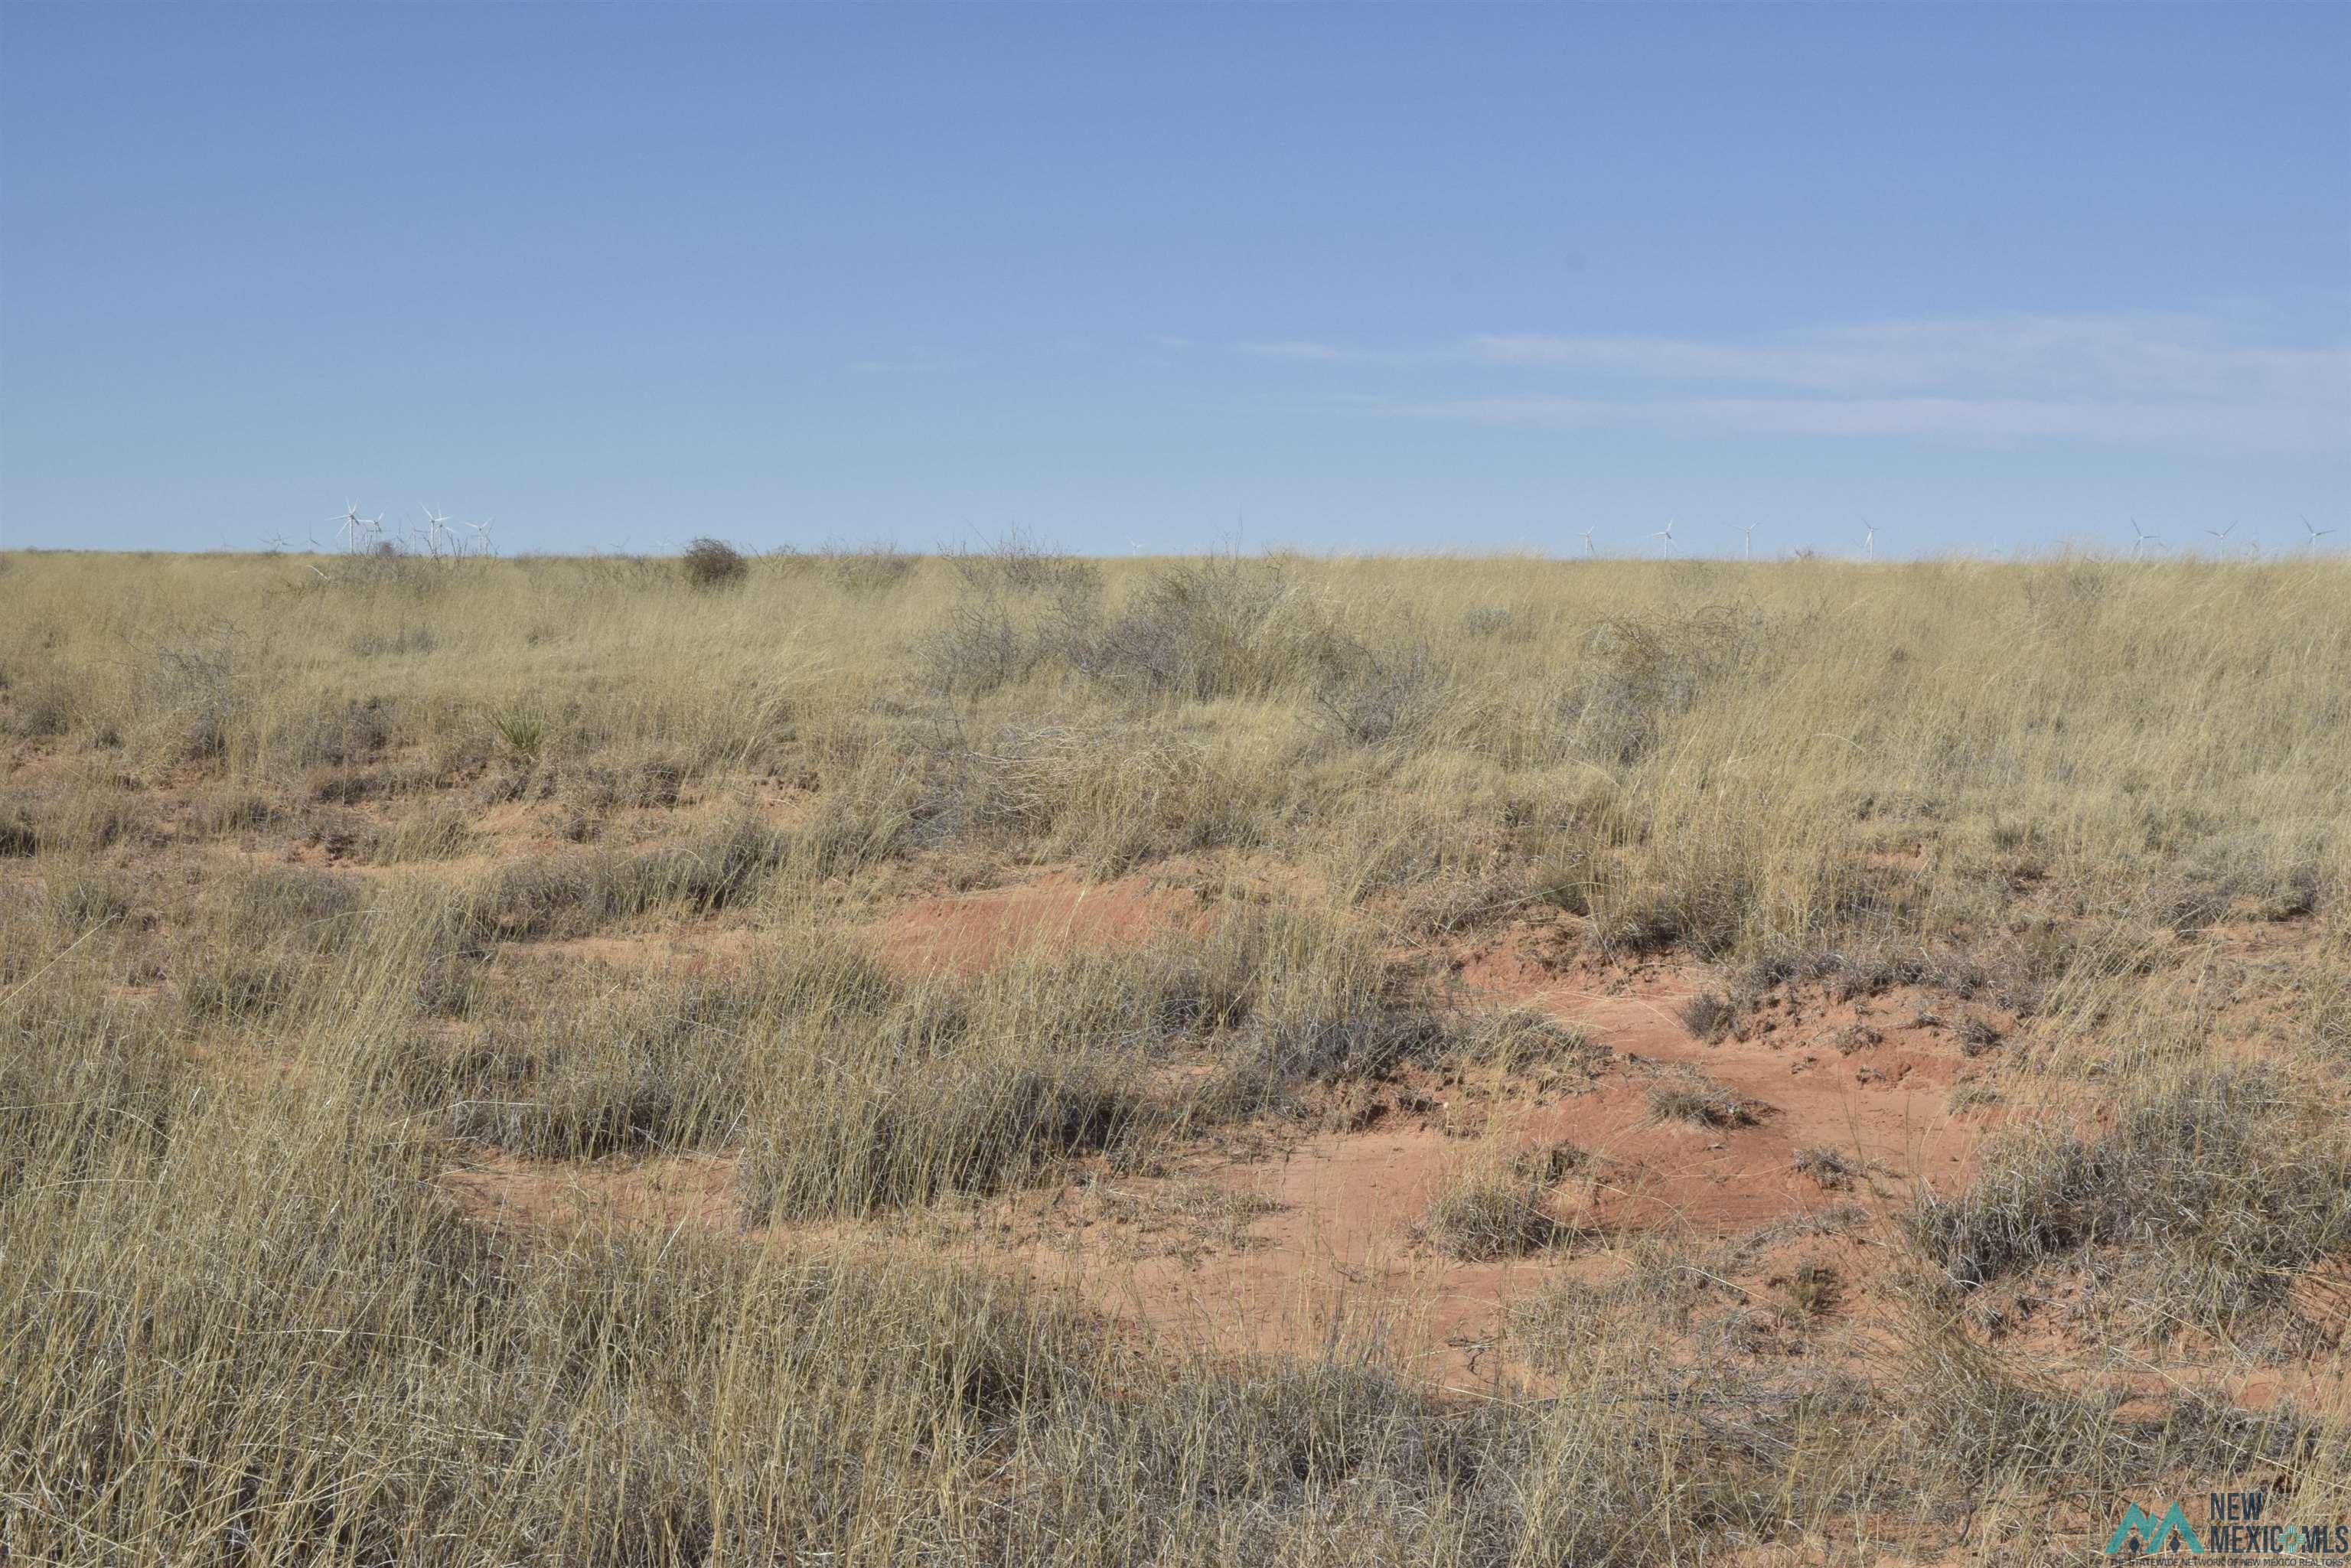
x,y
1058,911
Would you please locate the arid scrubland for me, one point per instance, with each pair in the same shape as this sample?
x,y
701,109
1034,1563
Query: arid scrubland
x,y
807,1059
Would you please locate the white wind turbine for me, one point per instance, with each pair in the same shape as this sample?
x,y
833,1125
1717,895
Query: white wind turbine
x,y
2141,538
358,532
1666,533
1589,547
2222,534
437,528
2315,534
1747,541
1869,540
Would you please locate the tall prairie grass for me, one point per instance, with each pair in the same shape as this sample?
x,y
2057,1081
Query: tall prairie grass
x,y
245,1317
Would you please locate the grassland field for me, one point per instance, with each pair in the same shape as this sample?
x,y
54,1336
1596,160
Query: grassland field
x,y
857,1058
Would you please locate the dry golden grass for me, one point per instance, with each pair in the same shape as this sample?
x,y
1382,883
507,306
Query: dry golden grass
x,y
291,851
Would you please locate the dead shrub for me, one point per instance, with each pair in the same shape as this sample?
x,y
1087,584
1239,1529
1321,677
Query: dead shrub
x,y
1496,1209
1709,1015
709,564
1826,1167
39,709
1638,676
1017,613
980,647
1701,911
2220,1182
1019,563
573,895
199,684
1977,1034
311,909
1378,697
1226,626
87,899
1693,1097
223,983
341,735
642,783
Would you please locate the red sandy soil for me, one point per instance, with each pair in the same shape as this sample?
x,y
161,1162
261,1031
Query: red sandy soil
x,y
1343,1204
972,930
1262,1241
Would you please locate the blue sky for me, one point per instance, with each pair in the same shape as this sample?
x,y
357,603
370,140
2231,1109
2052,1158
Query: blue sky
x,y
1353,278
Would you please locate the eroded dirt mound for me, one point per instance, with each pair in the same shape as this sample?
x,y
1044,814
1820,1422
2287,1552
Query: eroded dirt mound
x,y
1817,1130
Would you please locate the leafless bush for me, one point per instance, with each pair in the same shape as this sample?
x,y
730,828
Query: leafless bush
x,y
37,708
1693,1097
1020,606
196,681
1226,626
1378,697
710,563
1498,1208
17,836
1637,676
1701,910
1445,903
1017,563
1710,1015
641,782
2222,1181
1977,1033
580,1073
981,647
573,895
2233,874
340,734
1827,1168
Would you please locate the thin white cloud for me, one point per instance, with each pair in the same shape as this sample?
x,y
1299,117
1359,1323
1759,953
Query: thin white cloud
x,y
912,362
1300,348
2251,427
2152,378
